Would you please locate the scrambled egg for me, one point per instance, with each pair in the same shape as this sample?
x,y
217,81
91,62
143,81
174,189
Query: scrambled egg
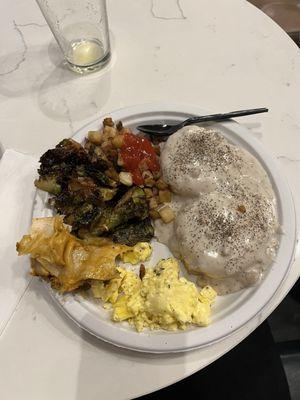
x,y
160,300
140,252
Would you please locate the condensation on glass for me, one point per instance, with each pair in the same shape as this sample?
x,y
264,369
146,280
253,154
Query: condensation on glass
x,y
80,27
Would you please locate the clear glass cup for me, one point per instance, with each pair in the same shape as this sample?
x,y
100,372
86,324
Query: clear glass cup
x,y
80,28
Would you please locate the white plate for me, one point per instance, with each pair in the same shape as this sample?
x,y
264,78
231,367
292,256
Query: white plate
x,y
230,312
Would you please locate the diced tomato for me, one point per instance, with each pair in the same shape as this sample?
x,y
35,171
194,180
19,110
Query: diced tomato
x,y
135,150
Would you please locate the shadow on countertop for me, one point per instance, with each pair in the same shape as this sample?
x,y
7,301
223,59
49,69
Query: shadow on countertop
x,y
286,13
285,327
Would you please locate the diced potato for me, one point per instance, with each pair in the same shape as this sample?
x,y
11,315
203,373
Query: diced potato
x,y
154,214
109,132
108,122
147,174
153,203
120,161
126,178
167,214
158,200
161,184
165,196
118,141
95,137
148,178
149,182
148,193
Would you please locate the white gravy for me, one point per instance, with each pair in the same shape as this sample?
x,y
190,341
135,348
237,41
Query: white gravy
x,y
226,227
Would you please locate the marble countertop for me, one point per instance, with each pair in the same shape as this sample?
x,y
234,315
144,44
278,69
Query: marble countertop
x,y
218,55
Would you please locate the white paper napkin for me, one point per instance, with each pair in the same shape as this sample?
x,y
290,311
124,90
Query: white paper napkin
x,y
17,173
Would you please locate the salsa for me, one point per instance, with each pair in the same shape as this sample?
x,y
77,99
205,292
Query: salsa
x,y
137,151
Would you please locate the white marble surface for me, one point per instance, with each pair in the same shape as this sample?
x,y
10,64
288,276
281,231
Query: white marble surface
x,y
220,55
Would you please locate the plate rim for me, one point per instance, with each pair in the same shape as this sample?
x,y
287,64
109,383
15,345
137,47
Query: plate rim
x,y
74,310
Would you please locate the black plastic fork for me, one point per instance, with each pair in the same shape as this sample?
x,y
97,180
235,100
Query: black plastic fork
x,y
167,130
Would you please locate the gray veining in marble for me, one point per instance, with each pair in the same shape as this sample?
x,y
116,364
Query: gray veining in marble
x,y
68,116
23,54
177,5
288,158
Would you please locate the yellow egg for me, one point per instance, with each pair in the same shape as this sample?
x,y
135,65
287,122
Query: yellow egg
x,y
139,253
161,300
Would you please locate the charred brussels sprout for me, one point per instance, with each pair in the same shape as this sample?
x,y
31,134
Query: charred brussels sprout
x,y
131,234
48,184
133,205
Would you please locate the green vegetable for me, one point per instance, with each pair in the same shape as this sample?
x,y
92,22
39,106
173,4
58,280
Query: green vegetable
x,y
86,189
48,185
81,216
107,193
133,205
131,234
97,175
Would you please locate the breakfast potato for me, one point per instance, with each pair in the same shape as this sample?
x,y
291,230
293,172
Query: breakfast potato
x,y
120,161
165,196
108,122
153,203
167,214
161,184
109,132
126,178
95,137
148,193
118,141
154,214
148,178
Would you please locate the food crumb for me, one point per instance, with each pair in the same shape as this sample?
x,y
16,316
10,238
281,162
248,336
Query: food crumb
x,y
142,271
241,209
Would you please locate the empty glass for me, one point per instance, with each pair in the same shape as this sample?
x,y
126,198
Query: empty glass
x,y
80,27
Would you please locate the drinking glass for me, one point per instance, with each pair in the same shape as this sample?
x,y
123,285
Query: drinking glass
x,y
80,28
